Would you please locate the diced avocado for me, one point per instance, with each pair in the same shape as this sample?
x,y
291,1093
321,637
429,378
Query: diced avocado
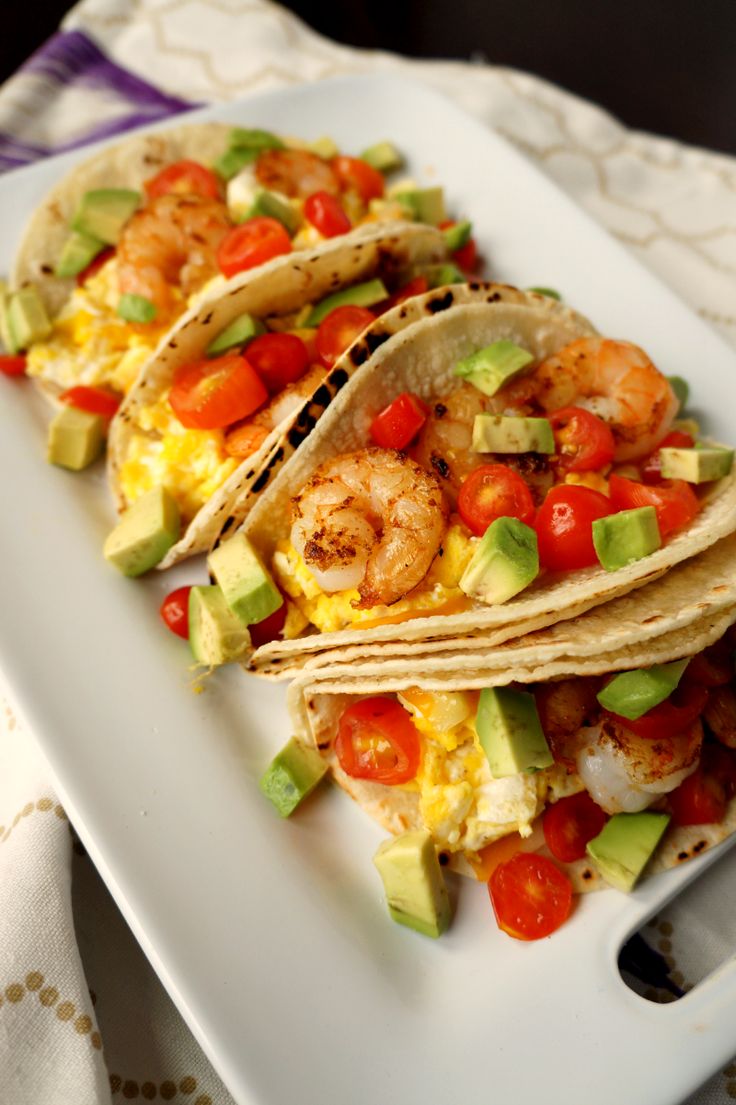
x,y
622,538
216,635
27,318
632,693
251,138
78,252
624,846
457,236
681,389
103,212
498,433
493,367
76,438
383,156
144,534
292,775
426,205
6,334
549,292
505,561
359,295
229,163
439,276
416,894
249,590
240,331
325,147
136,308
270,204
510,732
699,465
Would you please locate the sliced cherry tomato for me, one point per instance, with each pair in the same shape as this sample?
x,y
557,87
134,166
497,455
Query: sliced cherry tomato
x,y
339,330
279,359
570,823
530,896
699,800
675,501
466,258
243,441
651,467
210,394
92,399
494,491
184,178
268,629
11,365
326,213
94,266
674,715
399,422
418,286
714,667
358,176
251,244
583,440
376,740
175,611
564,526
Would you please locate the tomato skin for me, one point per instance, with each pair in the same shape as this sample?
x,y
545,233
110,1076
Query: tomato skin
x,y
326,213
12,365
399,423
92,399
675,501
570,823
583,440
339,330
466,258
494,491
670,716
530,896
418,286
210,394
252,243
269,629
376,740
699,800
651,466
358,176
279,359
564,526
95,265
184,178
175,611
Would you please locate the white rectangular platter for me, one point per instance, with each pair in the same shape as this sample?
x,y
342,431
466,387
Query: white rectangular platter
x,y
272,936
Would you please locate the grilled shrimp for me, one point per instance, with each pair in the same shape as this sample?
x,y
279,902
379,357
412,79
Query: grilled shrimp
x,y
373,520
172,241
295,173
565,708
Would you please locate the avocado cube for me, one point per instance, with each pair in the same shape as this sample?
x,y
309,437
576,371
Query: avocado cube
x,y
324,147
551,293
505,561
103,212
681,389
136,308
633,693
274,207
76,438
426,205
625,845
27,318
232,161
698,465
510,732
416,894
622,538
498,433
359,295
144,534
216,635
383,156
247,587
78,252
6,334
439,276
489,369
252,138
240,331
458,235
292,775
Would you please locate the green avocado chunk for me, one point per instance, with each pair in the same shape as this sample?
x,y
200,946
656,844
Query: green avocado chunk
x,y
249,590
76,438
624,846
681,389
103,212
325,147
229,163
633,693
216,635
240,331
629,535
27,319
510,733
251,138
416,894
505,562
698,465
498,433
292,774
6,335
269,204
489,369
78,252
426,205
144,534
551,293
136,308
458,235
366,294
383,156
439,276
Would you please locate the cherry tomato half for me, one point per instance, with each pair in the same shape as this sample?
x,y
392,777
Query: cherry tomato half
x,y
376,739
570,823
251,244
651,466
358,176
184,178
674,715
210,394
339,330
418,286
675,501
699,800
494,491
583,440
92,399
530,896
269,629
175,611
11,365
564,526
399,422
466,258
279,359
95,265
326,213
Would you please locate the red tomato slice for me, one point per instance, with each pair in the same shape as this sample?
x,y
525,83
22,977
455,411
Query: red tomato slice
x,y
583,440
95,266
699,800
494,491
184,178
251,244
269,629
279,359
651,466
675,501
466,258
564,526
326,213
94,400
210,394
358,176
530,896
418,286
376,740
674,715
399,422
570,823
175,611
339,330
10,365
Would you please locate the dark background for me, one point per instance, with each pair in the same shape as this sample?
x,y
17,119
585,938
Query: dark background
x,y
666,66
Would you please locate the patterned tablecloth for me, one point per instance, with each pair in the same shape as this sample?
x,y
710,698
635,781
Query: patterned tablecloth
x,y
83,1018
